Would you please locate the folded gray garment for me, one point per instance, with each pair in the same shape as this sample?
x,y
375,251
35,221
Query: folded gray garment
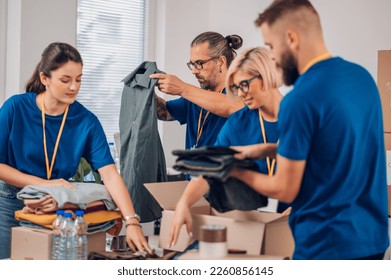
x,y
84,194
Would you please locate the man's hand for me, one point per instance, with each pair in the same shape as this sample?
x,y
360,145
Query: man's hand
x,y
256,151
169,84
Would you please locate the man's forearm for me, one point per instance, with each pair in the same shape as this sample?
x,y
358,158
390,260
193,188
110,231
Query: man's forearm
x,y
214,102
161,109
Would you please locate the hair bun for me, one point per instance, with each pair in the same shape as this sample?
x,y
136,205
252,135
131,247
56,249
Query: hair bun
x,y
234,41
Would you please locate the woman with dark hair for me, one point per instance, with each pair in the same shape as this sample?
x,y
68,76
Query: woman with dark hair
x,y
45,133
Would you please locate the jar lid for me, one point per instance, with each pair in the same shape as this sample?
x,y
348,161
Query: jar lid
x,y
213,233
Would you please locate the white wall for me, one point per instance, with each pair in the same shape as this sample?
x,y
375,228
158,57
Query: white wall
x,y
3,45
31,26
353,29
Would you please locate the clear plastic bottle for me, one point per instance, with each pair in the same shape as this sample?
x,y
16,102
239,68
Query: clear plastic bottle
x,y
56,234
67,240
114,154
81,236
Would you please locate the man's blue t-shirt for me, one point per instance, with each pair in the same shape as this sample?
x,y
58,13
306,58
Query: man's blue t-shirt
x,y
332,119
21,139
188,113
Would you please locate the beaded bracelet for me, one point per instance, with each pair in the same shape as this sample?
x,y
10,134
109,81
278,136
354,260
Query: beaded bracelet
x,y
133,224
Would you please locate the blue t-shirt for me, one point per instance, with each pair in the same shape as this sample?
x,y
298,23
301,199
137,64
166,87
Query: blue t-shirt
x,y
21,139
333,120
188,113
243,128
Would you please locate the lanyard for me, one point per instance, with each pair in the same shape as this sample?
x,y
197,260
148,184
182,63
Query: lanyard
x,y
50,169
269,168
315,60
200,127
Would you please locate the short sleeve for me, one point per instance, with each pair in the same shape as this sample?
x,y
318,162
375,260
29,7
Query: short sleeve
x,y
296,123
178,109
97,151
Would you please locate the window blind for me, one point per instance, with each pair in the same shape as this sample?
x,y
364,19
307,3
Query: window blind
x,y
110,39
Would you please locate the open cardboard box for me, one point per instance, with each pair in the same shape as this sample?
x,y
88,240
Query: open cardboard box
x,y
384,85
253,231
29,243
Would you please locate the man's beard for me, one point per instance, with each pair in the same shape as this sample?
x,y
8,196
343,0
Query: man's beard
x,y
208,83
289,68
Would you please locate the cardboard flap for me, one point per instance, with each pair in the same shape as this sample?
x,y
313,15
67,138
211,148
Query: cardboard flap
x,y
167,194
257,216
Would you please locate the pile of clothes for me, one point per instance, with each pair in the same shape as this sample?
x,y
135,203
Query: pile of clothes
x,y
41,203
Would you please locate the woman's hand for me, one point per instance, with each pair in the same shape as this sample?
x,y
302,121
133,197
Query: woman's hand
x,y
57,182
136,239
181,216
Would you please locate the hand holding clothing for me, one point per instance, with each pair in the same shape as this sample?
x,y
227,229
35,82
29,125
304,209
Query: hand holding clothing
x,y
169,84
256,151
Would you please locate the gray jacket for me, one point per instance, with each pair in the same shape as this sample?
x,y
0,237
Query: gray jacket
x,y
141,155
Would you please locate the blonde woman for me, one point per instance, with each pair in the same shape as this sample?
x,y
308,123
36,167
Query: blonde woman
x,y
254,79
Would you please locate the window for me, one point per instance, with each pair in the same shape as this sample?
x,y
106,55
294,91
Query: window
x,y
110,38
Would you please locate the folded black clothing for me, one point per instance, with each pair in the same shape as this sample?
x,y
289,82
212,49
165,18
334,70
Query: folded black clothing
x,y
215,165
206,150
211,162
233,194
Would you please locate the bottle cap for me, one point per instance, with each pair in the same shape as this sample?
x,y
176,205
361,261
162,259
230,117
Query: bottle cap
x,y
79,213
67,215
60,212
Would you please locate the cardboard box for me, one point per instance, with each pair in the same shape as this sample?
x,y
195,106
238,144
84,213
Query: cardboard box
x,y
384,85
387,141
35,244
253,231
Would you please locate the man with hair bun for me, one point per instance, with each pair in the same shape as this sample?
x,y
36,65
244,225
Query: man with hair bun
x,y
204,109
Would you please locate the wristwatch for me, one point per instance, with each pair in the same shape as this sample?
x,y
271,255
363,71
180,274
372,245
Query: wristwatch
x,y
132,216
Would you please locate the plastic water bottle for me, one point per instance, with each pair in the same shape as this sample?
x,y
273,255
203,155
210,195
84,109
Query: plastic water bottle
x,y
67,239
81,236
114,154
56,234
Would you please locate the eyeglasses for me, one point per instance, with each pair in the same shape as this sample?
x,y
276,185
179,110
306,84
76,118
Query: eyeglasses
x,y
244,85
199,64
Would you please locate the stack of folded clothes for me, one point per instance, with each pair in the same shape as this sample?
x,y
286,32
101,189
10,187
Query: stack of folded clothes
x,y
41,204
215,165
